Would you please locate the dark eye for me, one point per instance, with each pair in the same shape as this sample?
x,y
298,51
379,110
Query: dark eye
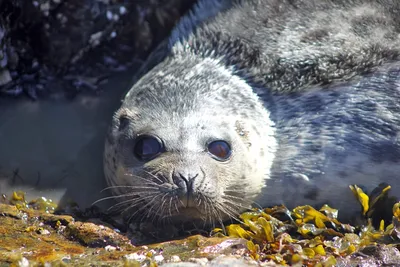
x,y
221,150
147,147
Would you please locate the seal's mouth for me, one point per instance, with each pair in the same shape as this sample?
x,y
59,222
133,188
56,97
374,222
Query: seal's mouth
x,y
188,201
187,214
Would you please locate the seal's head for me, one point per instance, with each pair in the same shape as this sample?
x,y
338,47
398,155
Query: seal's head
x,y
191,141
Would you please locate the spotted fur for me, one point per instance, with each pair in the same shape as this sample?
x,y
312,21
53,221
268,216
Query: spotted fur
x,y
307,92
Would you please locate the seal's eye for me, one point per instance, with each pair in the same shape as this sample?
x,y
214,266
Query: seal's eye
x,y
220,150
147,147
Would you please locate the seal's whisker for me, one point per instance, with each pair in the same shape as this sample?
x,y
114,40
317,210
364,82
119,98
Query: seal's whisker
x,y
150,203
176,206
114,197
216,214
234,197
236,205
258,205
105,198
145,187
209,211
132,175
151,213
212,211
160,206
114,186
170,207
128,194
164,216
154,176
146,179
132,202
234,190
183,204
127,186
228,210
221,223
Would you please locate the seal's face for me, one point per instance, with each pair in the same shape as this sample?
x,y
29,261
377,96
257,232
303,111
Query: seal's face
x,y
179,149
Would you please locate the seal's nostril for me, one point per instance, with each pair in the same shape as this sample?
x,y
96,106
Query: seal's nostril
x,y
183,177
184,182
188,178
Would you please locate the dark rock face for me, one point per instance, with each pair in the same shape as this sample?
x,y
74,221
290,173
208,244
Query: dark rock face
x,y
79,41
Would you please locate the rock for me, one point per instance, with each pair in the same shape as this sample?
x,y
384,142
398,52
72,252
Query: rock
x,y
89,38
373,255
5,77
94,235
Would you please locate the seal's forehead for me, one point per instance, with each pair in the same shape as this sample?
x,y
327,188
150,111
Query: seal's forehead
x,y
179,80
198,86
196,120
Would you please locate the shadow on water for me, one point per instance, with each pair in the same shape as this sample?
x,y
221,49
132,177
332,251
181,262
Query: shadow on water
x,y
54,148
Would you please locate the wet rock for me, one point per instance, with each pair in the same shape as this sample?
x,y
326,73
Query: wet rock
x,y
43,39
29,236
38,236
373,255
94,235
221,261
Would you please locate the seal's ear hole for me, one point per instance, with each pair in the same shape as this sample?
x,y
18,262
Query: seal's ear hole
x,y
147,147
220,150
123,123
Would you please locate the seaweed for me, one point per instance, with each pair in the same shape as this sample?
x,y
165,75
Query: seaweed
x,y
316,237
31,233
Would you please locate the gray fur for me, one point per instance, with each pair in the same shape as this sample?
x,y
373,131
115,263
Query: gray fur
x,y
307,92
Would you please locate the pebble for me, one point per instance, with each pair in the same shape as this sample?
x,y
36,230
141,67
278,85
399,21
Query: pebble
x,y
159,258
135,257
110,248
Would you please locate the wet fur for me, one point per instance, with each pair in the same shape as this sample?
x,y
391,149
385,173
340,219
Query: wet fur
x,y
326,72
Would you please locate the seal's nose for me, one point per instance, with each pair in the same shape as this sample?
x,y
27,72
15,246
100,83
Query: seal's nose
x,y
186,191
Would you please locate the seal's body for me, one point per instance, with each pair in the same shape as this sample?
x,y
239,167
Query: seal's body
x,y
264,101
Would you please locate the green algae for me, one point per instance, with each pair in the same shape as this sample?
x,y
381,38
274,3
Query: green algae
x,y
42,203
38,236
30,231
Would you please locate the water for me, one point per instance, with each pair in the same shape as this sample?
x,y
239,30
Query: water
x,y
54,148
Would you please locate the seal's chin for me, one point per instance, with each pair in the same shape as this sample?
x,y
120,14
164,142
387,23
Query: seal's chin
x,y
187,215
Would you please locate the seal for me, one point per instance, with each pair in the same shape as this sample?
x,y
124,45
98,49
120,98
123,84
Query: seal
x,y
261,102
